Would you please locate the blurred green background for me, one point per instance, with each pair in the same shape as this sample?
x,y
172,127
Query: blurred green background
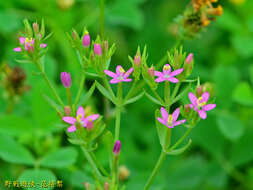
x,y
221,155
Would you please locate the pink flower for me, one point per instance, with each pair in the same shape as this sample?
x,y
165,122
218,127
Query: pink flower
x,y
167,74
200,104
80,119
27,44
66,79
137,60
170,120
120,75
117,147
189,58
86,40
97,49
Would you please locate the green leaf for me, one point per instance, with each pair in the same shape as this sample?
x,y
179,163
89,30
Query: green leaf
x,y
180,150
15,125
243,94
104,91
78,178
243,44
61,158
52,103
134,99
13,152
88,94
38,176
153,99
230,126
251,73
187,89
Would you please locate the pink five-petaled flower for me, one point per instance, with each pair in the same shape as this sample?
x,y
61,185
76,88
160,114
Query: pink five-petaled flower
x,y
80,119
28,44
120,75
170,120
167,74
199,104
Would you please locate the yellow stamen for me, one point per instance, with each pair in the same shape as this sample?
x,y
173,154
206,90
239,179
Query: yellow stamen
x,y
170,118
200,102
166,67
28,40
121,70
78,118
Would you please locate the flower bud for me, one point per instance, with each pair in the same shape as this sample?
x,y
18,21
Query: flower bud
x,y
124,173
89,125
151,71
199,91
106,45
66,79
106,186
117,147
189,58
35,28
209,87
137,60
67,110
86,40
97,49
187,108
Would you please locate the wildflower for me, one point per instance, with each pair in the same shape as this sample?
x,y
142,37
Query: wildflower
x,y
117,147
167,74
137,60
28,44
97,49
80,119
170,120
200,104
66,79
86,40
189,58
120,75
151,71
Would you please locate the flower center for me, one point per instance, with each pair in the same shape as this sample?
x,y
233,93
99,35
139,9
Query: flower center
x,y
79,117
201,102
170,118
28,40
166,76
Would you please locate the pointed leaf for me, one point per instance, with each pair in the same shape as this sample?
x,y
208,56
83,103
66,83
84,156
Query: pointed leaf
x,y
104,91
180,150
52,103
153,99
134,99
88,94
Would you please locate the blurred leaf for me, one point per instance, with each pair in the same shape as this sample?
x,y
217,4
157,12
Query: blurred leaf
x,y
38,176
243,44
9,21
243,94
88,94
61,158
125,13
241,152
13,152
230,126
15,125
78,178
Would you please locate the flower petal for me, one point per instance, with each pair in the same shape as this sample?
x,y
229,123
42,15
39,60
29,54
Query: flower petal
x,y
161,121
118,68
80,111
193,98
179,122
173,80
17,49
176,72
158,74
71,129
202,114
160,79
128,72
92,117
43,45
208,107
205,96
70,120
167,69
164,113
175,114
110,73
21,40
115,80
127,80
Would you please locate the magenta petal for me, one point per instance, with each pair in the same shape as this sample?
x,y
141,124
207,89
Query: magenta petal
x,y
70,120
92,117
208,107
205,96
175,114
127,80
202,114
43,45
164,113
179,122
118,68
113,81
159,79
176,72
193,98
128,72
71,129
80,111
173,80
161,121
22,40
17,49
158,74
110,73
169,68
191,106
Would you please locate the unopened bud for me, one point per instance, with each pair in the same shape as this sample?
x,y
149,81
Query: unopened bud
x,y
137,60
86,40
199,91
151,71
189,58
187,108
124,173
67,110
209,87
106,186
89,125
97,49
35,27
117,147
106,45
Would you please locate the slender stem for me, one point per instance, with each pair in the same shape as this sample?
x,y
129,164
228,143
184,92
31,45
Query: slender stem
x,y
107,85
69,99
131,91
155,170
167,94
118,110
181,139
93,164
102,18
100,167
115,169
157,96
175,90
79,91
49,83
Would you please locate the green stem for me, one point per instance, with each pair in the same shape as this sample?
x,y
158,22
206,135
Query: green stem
x,y
181,139
175,91
118,110
69,98
79,91
115,170
157,96
93,165
155,170
167,94
101,168
129,95
102,18
51,87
